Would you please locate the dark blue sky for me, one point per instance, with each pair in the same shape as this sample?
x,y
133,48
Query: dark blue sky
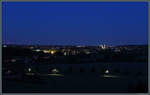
x,y
75,23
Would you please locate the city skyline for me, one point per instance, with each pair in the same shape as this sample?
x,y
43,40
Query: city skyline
x,y
110,23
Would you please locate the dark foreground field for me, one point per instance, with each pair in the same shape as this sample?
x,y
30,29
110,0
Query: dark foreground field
x,y
77,80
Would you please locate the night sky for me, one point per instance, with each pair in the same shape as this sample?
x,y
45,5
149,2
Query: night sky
x,y
76,23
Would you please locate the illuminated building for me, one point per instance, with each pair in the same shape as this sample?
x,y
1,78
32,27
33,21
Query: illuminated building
x,y
37,50
46,51
103,46
73,52
50,51
65,53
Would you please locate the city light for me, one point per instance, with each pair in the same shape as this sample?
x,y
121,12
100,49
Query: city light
x,y
46,51
103,46
65,53
52,52
37,50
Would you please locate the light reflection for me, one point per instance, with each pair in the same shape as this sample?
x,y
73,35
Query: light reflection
x,y
110,76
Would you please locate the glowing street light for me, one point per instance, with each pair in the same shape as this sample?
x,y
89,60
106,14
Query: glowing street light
x,y
54,70
106,71
29,69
